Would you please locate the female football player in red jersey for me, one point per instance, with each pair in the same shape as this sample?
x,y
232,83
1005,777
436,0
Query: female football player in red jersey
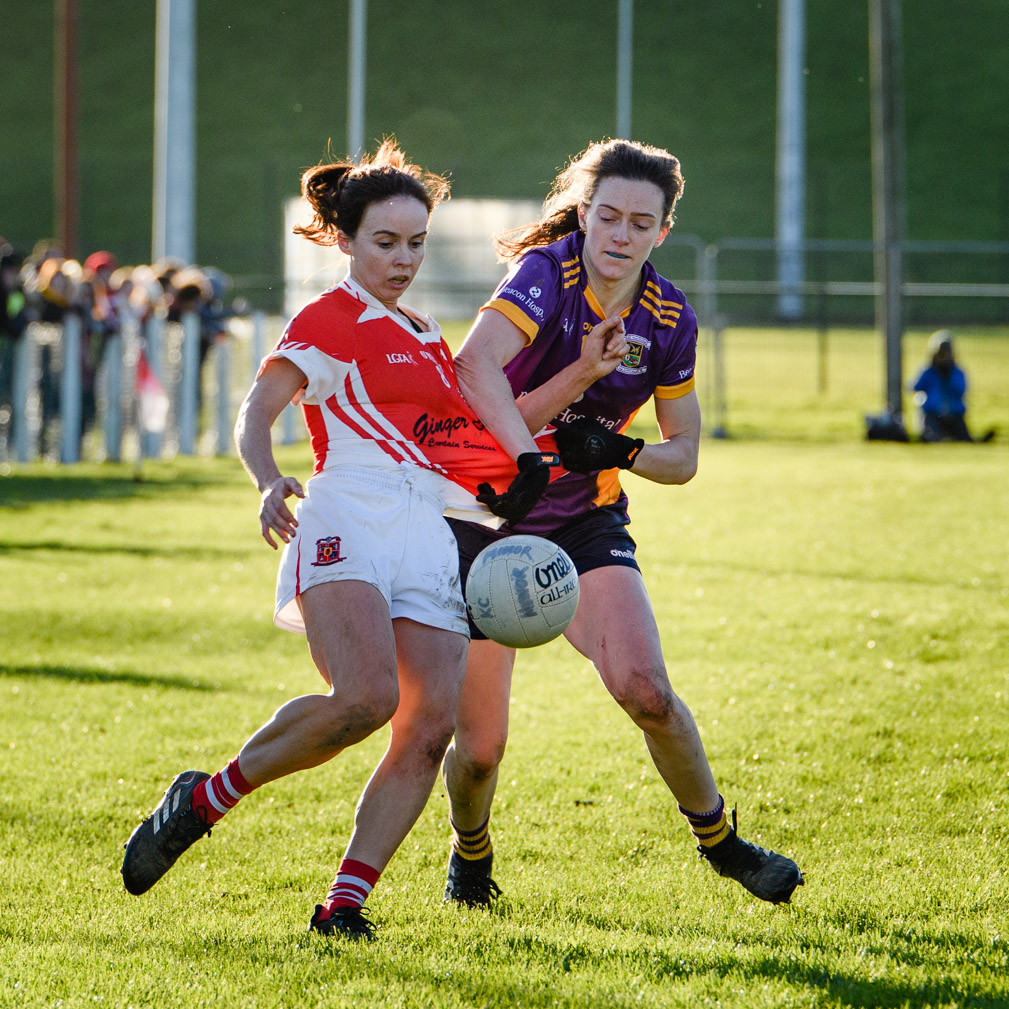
x,y
370,568
585,260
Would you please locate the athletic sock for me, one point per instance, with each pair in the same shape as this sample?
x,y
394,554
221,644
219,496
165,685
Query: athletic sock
x,y
472,845
354,881
708,828
215,796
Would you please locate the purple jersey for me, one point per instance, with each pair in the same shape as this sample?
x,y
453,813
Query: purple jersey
x,y
547,296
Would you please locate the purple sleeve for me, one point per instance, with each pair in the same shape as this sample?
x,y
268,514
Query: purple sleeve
x,y
678,366
530,294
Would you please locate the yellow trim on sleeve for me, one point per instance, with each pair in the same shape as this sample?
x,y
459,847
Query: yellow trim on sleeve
x,y
514,314
674,391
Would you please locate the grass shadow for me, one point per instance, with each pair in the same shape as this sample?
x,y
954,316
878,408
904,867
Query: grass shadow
x,y
174,551
82,674
90,483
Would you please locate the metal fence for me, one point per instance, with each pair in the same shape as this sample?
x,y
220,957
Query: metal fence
x,y
61,401
735,281
67,397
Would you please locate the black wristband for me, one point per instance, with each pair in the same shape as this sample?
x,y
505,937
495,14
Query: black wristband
x,y
530,460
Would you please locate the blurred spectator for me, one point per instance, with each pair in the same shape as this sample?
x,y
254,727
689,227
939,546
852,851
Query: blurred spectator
x,y
187,291
102,265
146,296
13,321
939,390
54,288
164,271
14,315
47,285
106,308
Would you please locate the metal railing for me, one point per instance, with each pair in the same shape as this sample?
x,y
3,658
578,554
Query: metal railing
x,y
59,410
51,408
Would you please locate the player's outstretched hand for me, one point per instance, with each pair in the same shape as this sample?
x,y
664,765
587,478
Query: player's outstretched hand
x,y
587,445
604,347
524,491
273,511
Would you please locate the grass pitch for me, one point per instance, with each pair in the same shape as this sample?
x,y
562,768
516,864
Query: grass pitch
x,y
837,616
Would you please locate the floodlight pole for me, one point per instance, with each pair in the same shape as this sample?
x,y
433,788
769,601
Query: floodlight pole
x,y
356,43
790,164
174,131
65,125
625,58
888,181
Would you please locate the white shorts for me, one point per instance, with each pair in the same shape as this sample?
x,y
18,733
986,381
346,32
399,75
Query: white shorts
x,y
383,527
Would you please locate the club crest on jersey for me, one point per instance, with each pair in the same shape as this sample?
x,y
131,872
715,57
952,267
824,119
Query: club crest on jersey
x,y
327,551
631,363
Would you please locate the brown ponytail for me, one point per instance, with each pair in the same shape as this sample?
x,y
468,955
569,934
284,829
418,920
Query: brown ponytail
x,y
340,193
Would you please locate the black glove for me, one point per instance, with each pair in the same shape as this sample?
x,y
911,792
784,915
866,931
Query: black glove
x,y
586,445
524,491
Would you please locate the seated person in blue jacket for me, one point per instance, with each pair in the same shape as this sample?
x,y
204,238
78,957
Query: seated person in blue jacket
x,y
939,391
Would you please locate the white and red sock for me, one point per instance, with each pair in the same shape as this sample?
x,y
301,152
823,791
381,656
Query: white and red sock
x,y
354,881
218,794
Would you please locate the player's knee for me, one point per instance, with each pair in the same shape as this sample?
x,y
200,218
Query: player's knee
x,y
480,758
381,702
646,696
370,708
437,746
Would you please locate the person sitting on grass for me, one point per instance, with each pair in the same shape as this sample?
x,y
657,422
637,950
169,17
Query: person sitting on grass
x,y
940,391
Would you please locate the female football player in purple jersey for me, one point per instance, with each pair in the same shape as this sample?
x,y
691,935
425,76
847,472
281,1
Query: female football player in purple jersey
x,y
587,260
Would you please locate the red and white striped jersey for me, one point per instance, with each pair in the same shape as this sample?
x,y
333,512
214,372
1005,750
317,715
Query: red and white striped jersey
x,y
381,394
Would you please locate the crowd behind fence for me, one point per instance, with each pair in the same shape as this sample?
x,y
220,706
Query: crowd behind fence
x,y
103,362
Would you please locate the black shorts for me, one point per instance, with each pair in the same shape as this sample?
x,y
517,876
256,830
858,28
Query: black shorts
x,y
597,539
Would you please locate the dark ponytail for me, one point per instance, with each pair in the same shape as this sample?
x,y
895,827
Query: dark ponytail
x,y
340,193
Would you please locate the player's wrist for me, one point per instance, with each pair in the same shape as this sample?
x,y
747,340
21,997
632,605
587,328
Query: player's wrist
x,y
533,460
636,448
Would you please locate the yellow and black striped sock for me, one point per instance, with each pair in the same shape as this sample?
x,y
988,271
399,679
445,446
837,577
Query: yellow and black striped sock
x,y
472,844
708,828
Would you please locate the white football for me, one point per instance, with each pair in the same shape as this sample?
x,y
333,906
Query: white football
x,y
522,591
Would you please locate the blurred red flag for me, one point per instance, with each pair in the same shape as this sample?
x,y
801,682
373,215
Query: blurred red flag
x,y
152,400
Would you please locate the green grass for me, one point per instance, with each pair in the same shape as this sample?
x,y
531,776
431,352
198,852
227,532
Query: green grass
x,y
803,384
837,616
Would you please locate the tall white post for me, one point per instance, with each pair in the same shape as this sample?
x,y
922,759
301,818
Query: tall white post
x,y
258,343
189,384
70,390
790,167
625,60
154,347
356,43
225,421
21,387
173,231
114,397
886,74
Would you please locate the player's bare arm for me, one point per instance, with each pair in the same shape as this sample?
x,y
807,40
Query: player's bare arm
x,y
494,340
490,344
271,392
602,350
674,459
